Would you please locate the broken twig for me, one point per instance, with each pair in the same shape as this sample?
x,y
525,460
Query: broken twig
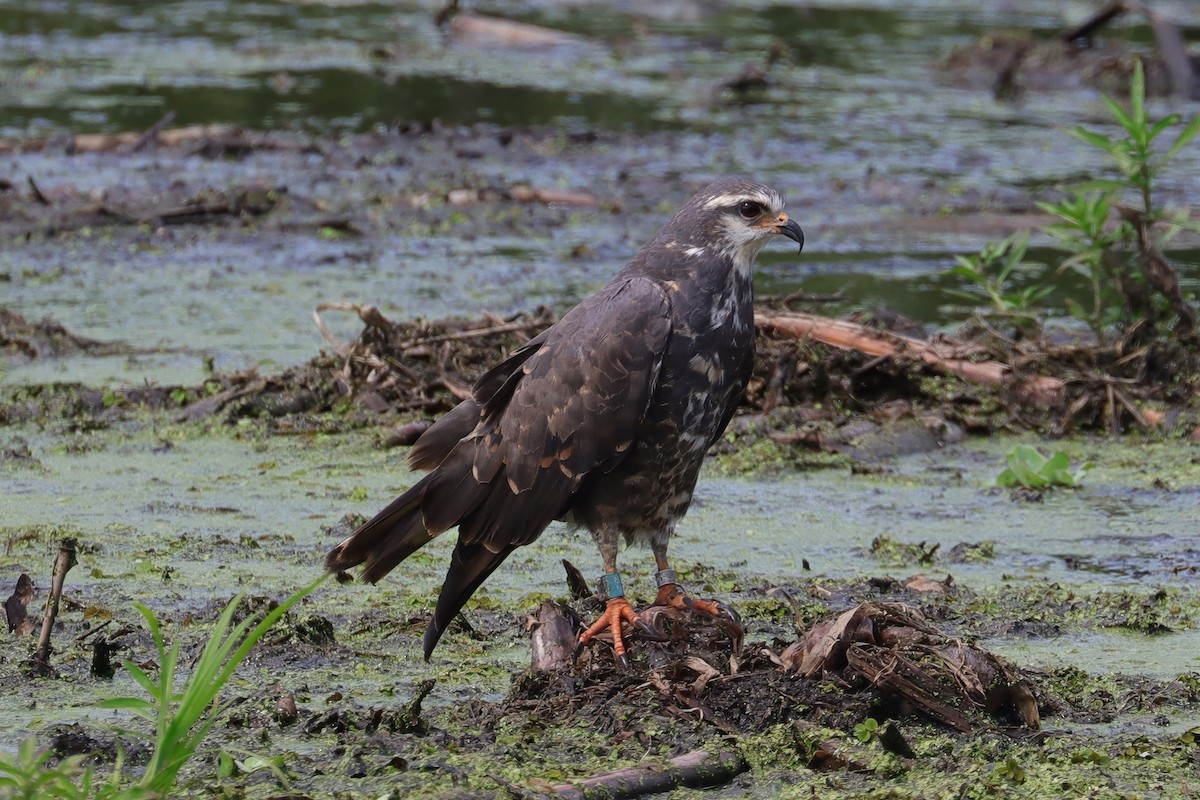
x,y
1081,35
37,193
151,133
62,565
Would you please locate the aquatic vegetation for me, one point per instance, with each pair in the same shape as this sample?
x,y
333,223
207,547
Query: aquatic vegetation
x,y
1030,469
990,274
1128,274
182,719
1133,290
866,730
29,775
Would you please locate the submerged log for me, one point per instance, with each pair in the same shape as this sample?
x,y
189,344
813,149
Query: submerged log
x,y
486,31
699,769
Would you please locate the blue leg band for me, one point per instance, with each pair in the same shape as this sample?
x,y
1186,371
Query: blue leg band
x,y
611,586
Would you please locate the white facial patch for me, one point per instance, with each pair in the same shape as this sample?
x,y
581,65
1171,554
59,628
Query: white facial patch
x,y
742,241
768,200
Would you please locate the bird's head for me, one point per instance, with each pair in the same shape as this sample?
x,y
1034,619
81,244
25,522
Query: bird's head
x,y
736,217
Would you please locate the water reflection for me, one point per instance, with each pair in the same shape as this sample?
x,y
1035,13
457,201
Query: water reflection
x,y
333,99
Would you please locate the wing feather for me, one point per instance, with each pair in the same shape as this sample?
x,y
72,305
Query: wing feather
x,y
583,393
435,444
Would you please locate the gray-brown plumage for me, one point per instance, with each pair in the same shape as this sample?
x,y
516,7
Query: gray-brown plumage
x,y
604,418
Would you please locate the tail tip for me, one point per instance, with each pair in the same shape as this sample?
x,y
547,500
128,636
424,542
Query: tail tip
x,y
337,562
432,635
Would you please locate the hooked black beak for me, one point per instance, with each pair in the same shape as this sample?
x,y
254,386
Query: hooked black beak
x,y
791,230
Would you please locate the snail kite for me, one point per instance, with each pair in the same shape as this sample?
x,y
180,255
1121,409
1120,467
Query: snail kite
x,y
603,419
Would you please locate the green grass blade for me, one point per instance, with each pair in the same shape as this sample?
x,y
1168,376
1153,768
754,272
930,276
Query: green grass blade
x,y
1185,137
200,689
180,752
1105,185
182,733
208,678
1137,102
153,626
1119,114
143,680
1157,128
1093,138
265,625
136,705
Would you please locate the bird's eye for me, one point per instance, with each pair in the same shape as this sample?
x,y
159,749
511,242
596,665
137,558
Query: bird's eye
x,y
749,209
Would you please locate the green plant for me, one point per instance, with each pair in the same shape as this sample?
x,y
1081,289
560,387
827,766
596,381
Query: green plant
x,y
891,551
230,767
989,274
182,719
29,775
1134,154
1124,265
866,730
1012,770
1128,277
1086,755
1030,469
1085,233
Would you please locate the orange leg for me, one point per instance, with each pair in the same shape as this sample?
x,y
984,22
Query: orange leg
x,y
670,593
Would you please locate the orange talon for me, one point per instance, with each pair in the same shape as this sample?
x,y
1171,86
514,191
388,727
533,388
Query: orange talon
x,y
670,594
616,611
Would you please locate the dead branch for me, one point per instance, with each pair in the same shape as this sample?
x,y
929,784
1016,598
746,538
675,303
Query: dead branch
x,y
92,631
105,142
475,333
151,133
240,204
1040,390
892,672
696,770
485,31
1173,50
1159,273
1084,31
62,565
551,197
37,193
339,347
